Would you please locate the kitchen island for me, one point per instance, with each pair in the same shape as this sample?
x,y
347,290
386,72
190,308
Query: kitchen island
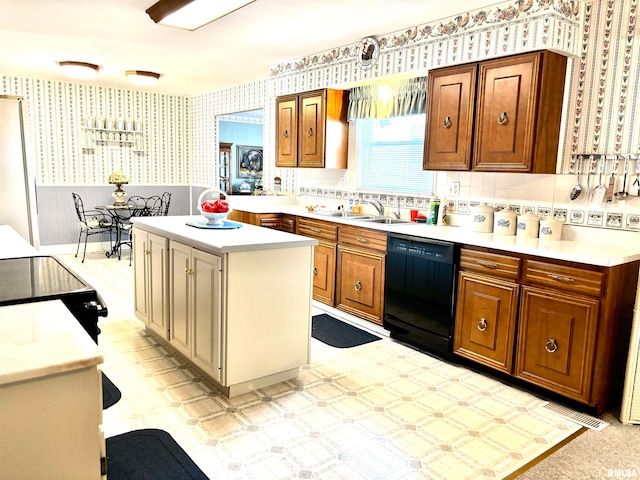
x,y
235,302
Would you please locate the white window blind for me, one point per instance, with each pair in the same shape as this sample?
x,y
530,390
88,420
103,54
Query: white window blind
x,y
390,155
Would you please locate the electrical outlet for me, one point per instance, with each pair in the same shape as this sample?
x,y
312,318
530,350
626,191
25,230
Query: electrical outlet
x,y
343,182
454,189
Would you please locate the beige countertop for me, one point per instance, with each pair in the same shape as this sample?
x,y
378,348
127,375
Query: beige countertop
x,y
41,339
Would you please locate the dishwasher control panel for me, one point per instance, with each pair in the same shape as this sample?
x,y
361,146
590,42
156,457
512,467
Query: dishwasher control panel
x,y
422,247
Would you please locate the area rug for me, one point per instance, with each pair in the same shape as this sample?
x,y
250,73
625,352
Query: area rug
x,y
149,454
110,393
339,334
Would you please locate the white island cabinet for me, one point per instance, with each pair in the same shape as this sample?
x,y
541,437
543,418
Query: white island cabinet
x,y
235,302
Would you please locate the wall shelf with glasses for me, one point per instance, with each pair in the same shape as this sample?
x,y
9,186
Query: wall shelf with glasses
x,y
112,134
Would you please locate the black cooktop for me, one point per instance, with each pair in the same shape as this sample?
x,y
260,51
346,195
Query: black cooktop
x,y
36,278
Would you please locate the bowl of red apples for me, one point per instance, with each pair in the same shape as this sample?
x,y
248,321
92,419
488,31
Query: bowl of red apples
x,y
213,207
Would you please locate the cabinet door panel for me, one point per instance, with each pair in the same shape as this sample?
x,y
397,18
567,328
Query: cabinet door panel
x,y
324,272
505,120
206,312
158,301
311,134
287,133
179,331
361,277
556,341
450,118
140,277
486,320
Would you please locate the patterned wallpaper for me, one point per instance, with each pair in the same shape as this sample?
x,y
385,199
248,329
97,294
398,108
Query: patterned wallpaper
x,y
57,115
601,94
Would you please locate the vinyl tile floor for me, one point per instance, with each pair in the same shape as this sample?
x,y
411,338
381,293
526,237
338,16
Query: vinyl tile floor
x,y
376,411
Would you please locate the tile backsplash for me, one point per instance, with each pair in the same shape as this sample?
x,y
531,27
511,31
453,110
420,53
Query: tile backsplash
x,y
542,195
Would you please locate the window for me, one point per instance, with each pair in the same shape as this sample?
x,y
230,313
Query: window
x,y
390,152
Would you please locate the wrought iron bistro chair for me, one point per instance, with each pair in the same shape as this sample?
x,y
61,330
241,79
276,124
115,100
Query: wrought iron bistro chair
x,y
91,222
166,200
138,207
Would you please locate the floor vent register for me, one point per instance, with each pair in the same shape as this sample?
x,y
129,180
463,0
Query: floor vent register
x,y
580,418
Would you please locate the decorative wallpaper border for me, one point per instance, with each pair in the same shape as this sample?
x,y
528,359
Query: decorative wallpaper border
x,y
512,27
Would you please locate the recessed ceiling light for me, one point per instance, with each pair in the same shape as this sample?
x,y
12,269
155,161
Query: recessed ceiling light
x,y
142,78
192,14
79,69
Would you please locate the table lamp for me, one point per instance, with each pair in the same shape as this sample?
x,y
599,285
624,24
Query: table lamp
x,y
118,179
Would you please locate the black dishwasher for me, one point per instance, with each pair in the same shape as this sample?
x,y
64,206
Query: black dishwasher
x,y
419,292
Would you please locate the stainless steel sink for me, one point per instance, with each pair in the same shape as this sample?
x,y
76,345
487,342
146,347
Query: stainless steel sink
x,y
340,214
386,220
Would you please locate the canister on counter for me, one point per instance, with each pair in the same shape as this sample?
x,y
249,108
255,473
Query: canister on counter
x,y
550,229
481,218
528,225
504,222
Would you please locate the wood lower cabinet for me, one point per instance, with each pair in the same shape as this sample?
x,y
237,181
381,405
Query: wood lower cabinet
x,y
486,320
195,286
324,272
360,273
557,338
312,129
277,221
324,257
150,281
568,334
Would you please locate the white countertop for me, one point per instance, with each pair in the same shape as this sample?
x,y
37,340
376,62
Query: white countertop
x,y
605,255
13,245
40,339
246,238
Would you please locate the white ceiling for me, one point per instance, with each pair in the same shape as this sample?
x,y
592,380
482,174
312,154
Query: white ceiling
x,y
118,35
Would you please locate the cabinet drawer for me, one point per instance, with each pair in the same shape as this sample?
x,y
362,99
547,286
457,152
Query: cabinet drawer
x,y
318,229
362,237
492,264
570,279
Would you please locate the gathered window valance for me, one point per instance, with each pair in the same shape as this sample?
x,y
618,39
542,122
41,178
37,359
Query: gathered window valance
x,y
406,97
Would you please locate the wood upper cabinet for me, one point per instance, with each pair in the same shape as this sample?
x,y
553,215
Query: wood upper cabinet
x,y
312,129
519,110
500,115
449,125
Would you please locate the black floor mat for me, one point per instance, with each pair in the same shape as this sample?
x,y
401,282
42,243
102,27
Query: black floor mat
x,y
149,454
338,334
110,393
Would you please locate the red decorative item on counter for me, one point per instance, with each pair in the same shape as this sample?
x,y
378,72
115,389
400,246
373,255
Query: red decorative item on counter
x,y
217,206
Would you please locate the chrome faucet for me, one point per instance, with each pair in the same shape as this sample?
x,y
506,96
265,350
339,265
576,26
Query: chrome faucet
x,y
377,204
397,214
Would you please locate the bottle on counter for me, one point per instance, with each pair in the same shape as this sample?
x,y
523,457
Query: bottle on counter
x,y
434,207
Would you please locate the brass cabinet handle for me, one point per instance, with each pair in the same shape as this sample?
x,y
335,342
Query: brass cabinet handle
x,y
560,278
446,122
147,252
502,119
188,271
317,230
310,132
362,240
285,134
358,286
487,264
551,346
315,272
482,324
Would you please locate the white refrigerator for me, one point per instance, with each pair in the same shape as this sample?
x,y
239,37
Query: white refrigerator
x,y
18,207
